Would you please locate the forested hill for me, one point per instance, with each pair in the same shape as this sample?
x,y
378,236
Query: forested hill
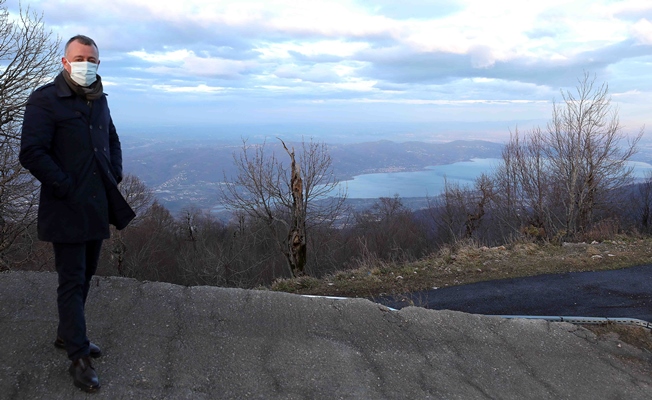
x,y
388,156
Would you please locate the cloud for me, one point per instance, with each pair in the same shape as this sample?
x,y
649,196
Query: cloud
x,y
336,49
458,53
630,9
318,73
199,89
414,9
481,56
448,102
187,63
642,31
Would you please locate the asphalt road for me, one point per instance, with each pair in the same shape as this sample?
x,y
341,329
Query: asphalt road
x,y
623,293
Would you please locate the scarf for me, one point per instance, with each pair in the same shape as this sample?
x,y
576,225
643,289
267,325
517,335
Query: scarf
x,y
93,92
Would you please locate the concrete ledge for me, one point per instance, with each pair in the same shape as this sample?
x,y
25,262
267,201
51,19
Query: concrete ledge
x,y
163,341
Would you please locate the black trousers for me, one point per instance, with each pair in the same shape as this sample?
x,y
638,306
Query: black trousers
x,y
76,264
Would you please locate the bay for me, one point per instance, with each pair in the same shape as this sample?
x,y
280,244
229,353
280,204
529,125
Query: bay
x,y
426,183
431,181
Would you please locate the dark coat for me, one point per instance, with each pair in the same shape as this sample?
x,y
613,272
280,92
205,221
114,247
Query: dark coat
x,y
73,149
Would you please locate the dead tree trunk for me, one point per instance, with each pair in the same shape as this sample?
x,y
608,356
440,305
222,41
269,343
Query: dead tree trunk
x,y
296,253
118,250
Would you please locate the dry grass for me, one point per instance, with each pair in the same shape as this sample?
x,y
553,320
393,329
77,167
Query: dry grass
x,y
462,264
636,336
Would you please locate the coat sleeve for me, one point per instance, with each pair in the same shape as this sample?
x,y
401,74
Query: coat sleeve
x,y
116,152
36,144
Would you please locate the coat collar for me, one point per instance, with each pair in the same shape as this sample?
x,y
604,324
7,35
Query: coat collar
x,y
63,90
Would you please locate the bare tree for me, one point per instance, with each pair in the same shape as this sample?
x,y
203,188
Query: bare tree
x,y
553,181
584,145
460,212
449,211
388,231
200,255
28,58
289,201
645,203
524,189
140,198
479,199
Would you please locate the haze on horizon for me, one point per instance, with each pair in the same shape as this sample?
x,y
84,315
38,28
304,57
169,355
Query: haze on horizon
x,y
409,70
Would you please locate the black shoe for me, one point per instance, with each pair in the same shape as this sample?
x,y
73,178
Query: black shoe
x,y
84,375
94,350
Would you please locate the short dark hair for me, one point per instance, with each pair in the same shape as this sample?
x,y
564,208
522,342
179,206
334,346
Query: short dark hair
x,y
85,40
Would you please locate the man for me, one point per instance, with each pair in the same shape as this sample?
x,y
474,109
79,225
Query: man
x,y
69,143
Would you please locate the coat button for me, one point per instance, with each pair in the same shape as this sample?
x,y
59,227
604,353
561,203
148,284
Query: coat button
x,y
95,149
91,126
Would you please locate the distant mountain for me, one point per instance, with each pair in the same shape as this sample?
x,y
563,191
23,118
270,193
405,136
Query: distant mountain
x,y
387,156
190,172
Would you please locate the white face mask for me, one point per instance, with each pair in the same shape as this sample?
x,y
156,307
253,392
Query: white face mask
x,y
83,73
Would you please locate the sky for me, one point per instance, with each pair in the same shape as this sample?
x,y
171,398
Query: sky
x,y
403,70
